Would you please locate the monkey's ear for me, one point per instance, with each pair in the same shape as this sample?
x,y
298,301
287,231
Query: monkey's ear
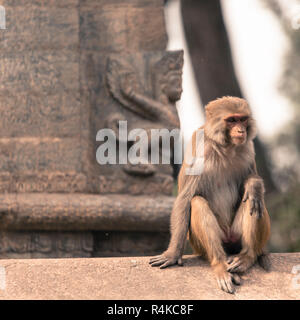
x,y
208,112
252,129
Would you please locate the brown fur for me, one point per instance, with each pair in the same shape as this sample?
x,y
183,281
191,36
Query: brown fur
x,y
222,208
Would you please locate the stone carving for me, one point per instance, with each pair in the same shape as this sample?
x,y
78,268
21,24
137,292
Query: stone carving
x,y
49,244
151,96
56,59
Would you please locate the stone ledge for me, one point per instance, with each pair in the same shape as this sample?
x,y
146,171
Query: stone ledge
x,y
75,211
133,278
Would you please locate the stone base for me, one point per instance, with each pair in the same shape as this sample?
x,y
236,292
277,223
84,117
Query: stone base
x,y
45,244
134,278
37,225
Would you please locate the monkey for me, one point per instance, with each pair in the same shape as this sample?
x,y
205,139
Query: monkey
x,y
221,209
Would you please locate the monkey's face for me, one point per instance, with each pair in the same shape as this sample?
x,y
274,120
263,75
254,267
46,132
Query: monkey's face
x,y
229,121
236,125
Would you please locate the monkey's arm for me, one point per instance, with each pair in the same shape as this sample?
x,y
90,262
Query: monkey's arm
x,y
180,219
254,192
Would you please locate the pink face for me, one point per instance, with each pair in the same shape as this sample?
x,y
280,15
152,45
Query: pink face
x,y
236,125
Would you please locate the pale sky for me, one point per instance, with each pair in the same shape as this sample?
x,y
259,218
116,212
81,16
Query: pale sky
x,y
258,46
189,107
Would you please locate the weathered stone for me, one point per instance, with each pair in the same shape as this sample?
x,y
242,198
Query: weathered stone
x,y
133,278
54,97
121,183
45,211
123,29
43,115
45,244
128,243
40,155
41,3
40,72
55,58
39,28
66,244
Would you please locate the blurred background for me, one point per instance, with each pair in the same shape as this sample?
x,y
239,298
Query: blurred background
x,y
248,48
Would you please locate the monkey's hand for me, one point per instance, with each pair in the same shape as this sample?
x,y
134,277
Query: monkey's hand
x,y
254,192
165,260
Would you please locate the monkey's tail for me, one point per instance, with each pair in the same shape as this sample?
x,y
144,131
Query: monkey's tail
x,y
264,261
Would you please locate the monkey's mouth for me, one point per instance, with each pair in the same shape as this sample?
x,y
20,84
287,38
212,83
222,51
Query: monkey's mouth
x,y
239,138
238,142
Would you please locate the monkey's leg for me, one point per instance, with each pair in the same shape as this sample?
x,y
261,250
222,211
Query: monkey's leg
x,y
206,238
255,231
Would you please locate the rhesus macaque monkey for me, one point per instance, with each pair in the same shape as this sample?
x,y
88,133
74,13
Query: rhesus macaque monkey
x,y
222,208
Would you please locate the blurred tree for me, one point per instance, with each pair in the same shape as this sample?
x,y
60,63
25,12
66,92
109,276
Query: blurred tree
x,y
286,207
212,62
289,85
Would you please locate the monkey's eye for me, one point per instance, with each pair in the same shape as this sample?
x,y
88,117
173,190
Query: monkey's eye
x,y
231,119
244,119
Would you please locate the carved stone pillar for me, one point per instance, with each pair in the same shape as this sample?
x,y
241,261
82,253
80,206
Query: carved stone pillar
x,y
65,67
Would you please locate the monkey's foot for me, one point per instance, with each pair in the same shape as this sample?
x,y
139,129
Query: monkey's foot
x,y
240,263
165,260
225,279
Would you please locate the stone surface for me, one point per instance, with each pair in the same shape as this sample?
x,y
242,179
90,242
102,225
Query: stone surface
x,y
54,94
76,244
133,278
54,97
41,244
44,225
43,211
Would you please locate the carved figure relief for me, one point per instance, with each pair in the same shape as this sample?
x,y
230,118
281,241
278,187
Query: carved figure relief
x,y
149,86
